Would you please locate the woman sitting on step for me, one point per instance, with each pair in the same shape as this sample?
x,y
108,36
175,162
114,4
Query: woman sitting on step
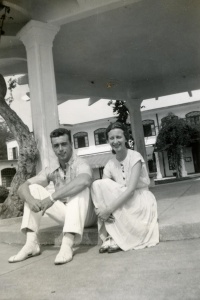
x,y
126,209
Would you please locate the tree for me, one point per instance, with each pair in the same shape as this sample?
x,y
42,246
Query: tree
x,y
13,206
4,133
120,108
174,135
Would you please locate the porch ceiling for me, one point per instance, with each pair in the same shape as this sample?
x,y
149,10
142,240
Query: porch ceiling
x,y
128,50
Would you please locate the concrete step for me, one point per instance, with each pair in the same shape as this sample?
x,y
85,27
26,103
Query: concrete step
x,y
178,211
51,233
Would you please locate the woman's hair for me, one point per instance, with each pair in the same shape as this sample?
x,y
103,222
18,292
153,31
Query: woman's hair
x,y
123,127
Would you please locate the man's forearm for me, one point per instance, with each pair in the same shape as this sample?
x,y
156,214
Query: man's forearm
x,y
74,187
24,192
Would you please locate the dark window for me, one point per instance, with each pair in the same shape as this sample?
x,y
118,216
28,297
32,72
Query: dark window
x,y
149,128
81,140
170,162
101,172
7,176
193,117
15,152
100,136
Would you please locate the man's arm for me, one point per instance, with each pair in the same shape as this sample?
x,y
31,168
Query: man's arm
x,y
25,195
74,187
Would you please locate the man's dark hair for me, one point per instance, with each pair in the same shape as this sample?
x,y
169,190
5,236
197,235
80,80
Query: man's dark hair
x,y
60,132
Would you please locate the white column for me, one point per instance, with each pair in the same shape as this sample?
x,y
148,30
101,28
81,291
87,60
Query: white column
x,y
38,39
183,169
159,174
133,106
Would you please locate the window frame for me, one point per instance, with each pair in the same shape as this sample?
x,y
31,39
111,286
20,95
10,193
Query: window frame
x,y
96,136
80,134
193,117
149,122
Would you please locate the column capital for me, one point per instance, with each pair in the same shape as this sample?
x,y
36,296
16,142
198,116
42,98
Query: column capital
x,y
133,103
36,32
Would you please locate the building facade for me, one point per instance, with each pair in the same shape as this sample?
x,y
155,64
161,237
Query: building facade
x,y
8,167
89,142
152,122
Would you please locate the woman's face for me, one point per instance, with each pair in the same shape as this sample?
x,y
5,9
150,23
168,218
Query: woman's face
x,y
117,140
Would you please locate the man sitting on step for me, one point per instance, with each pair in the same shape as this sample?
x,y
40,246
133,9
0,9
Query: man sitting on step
x,y
70,204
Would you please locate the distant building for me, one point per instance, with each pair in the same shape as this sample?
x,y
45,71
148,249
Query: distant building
x,y
89,142
8,166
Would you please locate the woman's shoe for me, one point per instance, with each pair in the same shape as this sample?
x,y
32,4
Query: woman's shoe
x,y
113,247
105,246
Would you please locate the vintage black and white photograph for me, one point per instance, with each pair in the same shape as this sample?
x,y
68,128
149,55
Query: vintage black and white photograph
x,y
99,149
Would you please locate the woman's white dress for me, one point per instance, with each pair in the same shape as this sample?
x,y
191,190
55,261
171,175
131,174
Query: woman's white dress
x,y
135,225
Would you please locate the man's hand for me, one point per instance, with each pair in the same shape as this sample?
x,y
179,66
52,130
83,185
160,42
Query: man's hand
x,y
45,204
105,215
35,205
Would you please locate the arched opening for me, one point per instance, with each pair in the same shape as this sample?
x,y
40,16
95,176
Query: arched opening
x,y
7,176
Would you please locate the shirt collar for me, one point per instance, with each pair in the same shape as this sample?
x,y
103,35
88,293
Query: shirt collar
x,y
57,166
71,160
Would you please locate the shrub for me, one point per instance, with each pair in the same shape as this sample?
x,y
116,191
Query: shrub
x,y
3,193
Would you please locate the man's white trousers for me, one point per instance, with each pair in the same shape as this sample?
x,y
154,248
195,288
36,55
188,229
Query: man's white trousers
x,y
76,214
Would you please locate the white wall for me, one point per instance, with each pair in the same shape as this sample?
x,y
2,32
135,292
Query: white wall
x,y
189,165
90,127
10,145
96,174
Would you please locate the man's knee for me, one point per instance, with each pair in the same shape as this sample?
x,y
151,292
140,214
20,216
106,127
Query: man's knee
x,y
38,191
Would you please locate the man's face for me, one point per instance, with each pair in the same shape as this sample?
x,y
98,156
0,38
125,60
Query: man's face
x,y
62,148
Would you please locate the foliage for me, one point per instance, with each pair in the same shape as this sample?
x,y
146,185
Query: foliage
x,y
174,135
122,112
3,193
12,83
4,134
4,131
13,205
120,109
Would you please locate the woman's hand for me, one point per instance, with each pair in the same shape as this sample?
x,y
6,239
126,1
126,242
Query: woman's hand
x,y
105,214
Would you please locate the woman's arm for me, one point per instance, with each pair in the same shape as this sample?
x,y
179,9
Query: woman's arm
x,y
128,193
125,196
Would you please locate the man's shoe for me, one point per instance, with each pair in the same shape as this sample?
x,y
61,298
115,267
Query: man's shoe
x,y
29,250
64,256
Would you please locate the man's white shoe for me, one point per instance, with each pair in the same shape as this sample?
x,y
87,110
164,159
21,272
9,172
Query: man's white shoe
x,y
64,256
29,250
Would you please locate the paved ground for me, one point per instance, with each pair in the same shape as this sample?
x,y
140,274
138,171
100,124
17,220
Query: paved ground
x,y
171,270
